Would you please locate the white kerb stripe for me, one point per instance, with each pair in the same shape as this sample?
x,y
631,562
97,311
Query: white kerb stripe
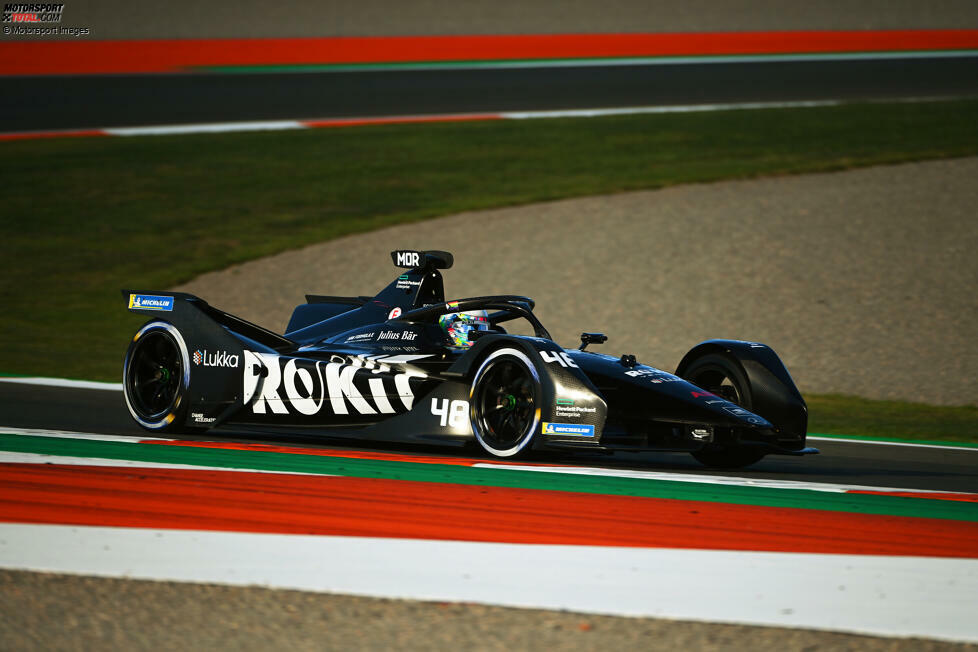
x,y
889,596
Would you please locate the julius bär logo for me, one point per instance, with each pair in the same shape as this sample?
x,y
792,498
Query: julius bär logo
x,y
29,12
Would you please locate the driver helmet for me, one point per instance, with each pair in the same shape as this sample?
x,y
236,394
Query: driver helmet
x,y
458,325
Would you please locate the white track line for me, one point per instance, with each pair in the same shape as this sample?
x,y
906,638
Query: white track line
x,y
324,123
67,460
888,596
226,127
688,108
275,125
63,382
891,443
70,434
764,483
207,128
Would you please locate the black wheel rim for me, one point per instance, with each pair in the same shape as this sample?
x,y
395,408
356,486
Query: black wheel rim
x,y
716,381
506,404
154,375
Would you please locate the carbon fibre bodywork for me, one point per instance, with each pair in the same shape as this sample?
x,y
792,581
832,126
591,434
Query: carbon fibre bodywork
x,y
381,368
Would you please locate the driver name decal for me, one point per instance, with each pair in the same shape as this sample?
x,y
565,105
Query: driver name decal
x,y
408,259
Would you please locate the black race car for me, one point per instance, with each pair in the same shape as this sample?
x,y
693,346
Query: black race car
x,y
384,368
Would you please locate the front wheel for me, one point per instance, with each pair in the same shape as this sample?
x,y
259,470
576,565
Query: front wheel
x,y
155,377
505,403
720,374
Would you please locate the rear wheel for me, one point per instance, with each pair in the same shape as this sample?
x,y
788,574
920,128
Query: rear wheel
x,y
156,375
721,375
505,403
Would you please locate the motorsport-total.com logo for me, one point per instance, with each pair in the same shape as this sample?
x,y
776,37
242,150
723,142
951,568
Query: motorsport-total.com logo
x,y
29,12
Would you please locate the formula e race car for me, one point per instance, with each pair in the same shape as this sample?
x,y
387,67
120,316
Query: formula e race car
x,y
408,366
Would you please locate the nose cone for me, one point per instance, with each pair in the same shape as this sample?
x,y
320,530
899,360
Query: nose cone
x,y
746,417
715,410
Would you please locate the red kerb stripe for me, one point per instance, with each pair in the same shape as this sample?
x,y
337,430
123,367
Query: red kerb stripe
x,y
295,504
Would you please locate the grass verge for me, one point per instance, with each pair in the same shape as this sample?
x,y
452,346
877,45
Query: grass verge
x,y
91,216
859,417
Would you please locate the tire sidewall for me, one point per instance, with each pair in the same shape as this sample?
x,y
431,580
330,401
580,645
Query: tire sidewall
x,y
175,413
728,366
495,356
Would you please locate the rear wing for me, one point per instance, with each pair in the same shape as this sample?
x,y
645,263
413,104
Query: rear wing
x,y
421,285
189,311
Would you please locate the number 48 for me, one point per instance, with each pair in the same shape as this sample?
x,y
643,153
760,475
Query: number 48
x,y
453,413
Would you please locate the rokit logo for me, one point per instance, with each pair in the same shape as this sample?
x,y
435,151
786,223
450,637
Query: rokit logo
x,y
287,385
218,359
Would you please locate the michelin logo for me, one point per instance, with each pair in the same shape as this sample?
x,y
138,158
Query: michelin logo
x,y
580,430
150,302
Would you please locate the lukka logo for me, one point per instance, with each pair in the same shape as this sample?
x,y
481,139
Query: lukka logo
x,y
218,359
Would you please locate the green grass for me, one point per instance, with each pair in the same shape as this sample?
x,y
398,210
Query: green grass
x,y
848,415
83,218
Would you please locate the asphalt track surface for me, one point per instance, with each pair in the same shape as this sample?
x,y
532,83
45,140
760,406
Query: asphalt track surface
x,y
879,465
42,103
